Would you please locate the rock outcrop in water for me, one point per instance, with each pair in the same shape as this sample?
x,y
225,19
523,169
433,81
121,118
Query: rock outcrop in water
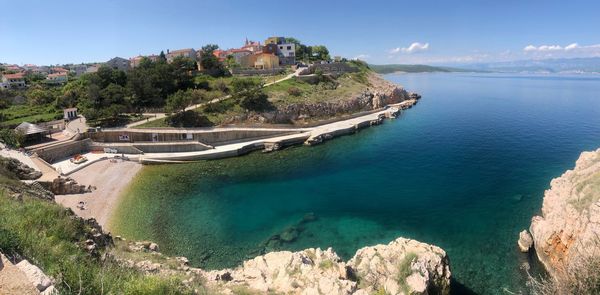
x,y
403,266
568,231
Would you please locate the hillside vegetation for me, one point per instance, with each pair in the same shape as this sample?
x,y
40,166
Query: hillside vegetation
x,y
51,237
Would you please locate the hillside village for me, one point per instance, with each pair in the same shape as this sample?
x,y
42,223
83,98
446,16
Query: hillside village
x,y
275,54
203,87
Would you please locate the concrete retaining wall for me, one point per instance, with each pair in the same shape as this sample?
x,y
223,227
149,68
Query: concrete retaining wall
x,y
63,150
206,137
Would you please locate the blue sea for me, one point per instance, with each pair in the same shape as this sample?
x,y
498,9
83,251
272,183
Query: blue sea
x,y
465,169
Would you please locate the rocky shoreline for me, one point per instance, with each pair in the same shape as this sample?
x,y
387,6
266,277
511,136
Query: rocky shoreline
x,y
380,94
567,233
403,266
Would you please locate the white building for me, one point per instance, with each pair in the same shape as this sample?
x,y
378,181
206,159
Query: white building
x,y
287,53
14,80
189,53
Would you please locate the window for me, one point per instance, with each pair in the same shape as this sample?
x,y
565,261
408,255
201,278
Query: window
x,y
289,48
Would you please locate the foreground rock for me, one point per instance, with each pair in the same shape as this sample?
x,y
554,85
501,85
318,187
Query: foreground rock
x,y
403,266
567,233
22,171
23,278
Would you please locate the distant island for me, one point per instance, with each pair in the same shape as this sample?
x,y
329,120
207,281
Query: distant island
x,y
393,68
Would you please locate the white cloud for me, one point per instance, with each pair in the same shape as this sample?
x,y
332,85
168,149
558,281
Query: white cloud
x,y
413,48
572,46
558,51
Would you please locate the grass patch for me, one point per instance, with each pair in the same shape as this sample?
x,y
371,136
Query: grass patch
x,y
589,192
405,270
48,236
326,264
16,114
162,122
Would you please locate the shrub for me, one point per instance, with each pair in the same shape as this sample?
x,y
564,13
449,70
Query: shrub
x,y
583,279
188,119
405,270
49,236
294,91
11,138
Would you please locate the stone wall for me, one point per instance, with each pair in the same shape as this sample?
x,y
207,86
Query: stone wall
x,y
171,135
330,68
257,72
64,150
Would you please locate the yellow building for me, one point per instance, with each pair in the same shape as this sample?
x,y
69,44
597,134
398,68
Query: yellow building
x,y
266,61
275,40
259,61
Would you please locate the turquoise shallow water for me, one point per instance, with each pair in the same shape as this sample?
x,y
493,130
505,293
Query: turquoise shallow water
x,y
465,169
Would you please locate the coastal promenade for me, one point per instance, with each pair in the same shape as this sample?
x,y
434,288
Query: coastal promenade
x,y
307,136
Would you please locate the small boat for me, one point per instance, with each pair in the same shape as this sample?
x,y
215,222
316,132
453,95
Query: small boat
x,y
78,159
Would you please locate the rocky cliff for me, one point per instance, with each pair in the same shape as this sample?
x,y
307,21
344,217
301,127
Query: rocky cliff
x,y
567,233
403,266
377,95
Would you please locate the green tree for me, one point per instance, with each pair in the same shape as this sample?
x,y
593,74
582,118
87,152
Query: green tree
x,y
12,138
210,63
183,69
249,94
178,101
231,63
320,52
38,95
72,92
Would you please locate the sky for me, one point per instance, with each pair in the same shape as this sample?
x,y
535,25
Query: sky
x,y
439,32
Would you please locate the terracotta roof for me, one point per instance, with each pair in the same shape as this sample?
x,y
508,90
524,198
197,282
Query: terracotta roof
x,y
57,75
14,76
239,50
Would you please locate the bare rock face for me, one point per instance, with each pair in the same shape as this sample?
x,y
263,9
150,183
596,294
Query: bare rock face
x,y
525,241
381,94
568,230
22,171
65,186
35,275
403,266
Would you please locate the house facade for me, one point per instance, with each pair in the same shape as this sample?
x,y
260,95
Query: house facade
x,y
14,80
284,50
57,78
189,53
266,61
135,61
78,70
251,46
